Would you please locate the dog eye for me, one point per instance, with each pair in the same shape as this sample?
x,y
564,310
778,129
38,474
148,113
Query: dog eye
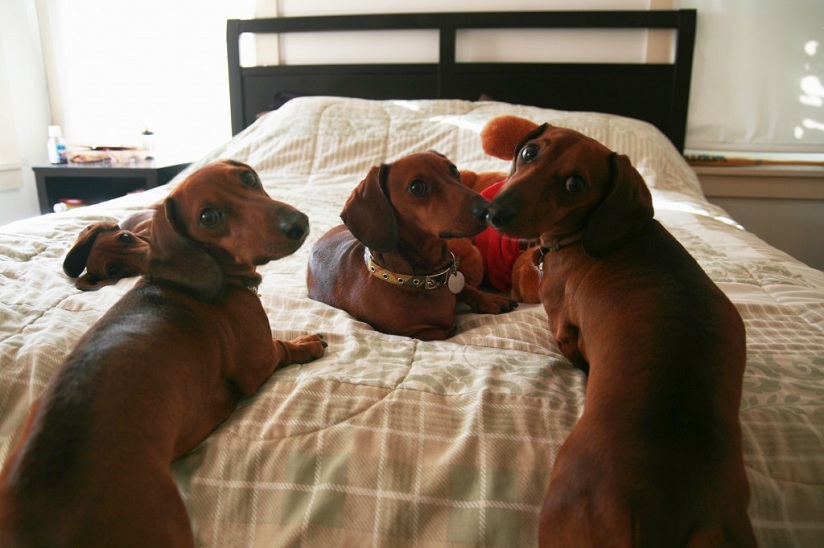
x,y
209,217
529,152
113,271
250,179
418,188
124,238
575,185
453,170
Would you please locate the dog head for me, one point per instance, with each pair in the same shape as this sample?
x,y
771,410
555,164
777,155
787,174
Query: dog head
x,y
107,253
564,183
414,199
220,223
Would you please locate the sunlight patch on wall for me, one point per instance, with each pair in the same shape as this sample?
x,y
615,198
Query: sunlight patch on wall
x,y
812,93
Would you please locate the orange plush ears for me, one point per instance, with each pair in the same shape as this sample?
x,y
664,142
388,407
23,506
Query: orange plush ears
x,y
502,134
499,138
481,181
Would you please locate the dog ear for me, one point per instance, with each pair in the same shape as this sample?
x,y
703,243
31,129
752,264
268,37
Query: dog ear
x,y
174,257
78,255
92,282
502,134
626,207
368,213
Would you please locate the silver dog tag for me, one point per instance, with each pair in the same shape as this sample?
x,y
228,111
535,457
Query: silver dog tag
x,y
455,283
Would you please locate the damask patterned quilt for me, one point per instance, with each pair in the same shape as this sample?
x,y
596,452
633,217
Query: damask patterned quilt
x,y
389,441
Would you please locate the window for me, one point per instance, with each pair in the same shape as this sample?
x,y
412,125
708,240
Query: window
x,y
116,68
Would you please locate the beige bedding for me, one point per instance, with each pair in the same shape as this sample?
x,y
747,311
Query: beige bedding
x,y
389,441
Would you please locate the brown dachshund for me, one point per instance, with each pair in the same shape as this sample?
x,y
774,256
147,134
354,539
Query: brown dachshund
x,y
389,264
655,459
159,371
109,252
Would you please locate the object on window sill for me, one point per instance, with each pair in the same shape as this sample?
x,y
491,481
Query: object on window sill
x,y
148,144
719,160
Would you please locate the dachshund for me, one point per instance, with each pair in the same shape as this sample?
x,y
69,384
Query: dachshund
x,y
389,263
656,457
156,374
109,252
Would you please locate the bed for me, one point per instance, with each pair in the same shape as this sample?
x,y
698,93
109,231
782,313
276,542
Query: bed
x,y
392,441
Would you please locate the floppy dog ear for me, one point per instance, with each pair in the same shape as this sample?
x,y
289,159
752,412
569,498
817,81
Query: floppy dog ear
x,y
92,282
78,255
502,134
176,258
626,207
368,213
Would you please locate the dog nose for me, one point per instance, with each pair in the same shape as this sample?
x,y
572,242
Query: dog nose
x,y
500,216
480,212
294,226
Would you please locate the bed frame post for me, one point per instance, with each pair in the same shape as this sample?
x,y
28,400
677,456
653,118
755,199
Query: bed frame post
x,y
237,102
446,61
684,46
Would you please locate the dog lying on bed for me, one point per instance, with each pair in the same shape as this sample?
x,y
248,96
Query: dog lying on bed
x,y
655,459
109,252
156,374
389,264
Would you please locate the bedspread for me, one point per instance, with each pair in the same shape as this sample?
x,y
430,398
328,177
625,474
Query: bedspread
x,y
393,441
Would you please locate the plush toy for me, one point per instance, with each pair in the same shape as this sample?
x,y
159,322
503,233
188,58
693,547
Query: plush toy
x,y
509,264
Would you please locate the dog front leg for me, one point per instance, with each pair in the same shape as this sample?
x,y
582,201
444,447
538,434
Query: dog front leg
x,y
299,350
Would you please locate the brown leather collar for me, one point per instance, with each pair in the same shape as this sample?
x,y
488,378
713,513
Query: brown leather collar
x,y
449,276
249,284
555,244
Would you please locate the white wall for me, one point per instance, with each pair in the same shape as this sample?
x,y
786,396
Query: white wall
x,y
794,226
24,109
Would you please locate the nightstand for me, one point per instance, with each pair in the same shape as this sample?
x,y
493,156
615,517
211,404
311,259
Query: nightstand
x,y
97,182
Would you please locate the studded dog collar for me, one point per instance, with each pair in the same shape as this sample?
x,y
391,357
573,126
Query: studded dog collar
x,y
449,276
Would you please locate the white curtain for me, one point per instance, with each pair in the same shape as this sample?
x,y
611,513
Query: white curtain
x,y
757,76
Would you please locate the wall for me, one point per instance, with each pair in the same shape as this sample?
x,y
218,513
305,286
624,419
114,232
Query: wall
x,y
24,109
793,225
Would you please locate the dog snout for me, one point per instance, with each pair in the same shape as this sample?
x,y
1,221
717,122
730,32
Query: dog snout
x,y
480,211
501,213
294,225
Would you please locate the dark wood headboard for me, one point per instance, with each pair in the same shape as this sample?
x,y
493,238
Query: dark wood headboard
x,y
654,92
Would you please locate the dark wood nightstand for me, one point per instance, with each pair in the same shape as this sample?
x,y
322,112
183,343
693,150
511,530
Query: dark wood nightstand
x,y
97,182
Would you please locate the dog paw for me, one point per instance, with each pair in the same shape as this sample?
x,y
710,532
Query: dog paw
x,y
495,304
487,303
303,349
